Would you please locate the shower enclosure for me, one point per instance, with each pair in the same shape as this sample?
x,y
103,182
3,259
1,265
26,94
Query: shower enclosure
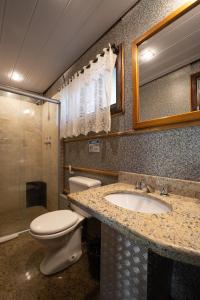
x,y
29,139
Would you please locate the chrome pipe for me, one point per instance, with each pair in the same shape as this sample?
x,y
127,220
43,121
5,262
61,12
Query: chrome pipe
x,y
28,94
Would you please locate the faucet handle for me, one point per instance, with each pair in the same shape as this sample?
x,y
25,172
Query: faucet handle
x,y
138,185
150,189
164,191
147,188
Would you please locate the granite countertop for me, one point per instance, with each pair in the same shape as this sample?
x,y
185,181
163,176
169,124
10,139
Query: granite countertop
x,y
175,234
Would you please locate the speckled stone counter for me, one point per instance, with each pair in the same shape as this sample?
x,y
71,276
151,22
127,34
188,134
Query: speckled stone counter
x,y
175,234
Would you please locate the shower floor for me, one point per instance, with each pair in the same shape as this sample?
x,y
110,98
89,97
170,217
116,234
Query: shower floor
x,y
18,220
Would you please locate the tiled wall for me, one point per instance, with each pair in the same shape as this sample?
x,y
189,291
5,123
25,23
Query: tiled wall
x,y
24,157
50,153
168,95
20,149
172,153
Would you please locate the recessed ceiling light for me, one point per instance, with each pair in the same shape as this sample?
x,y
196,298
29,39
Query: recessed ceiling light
x,y
147,55
16,76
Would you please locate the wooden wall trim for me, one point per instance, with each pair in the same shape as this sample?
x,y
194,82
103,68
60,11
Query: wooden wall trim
x,y
105,172
132,132
190,116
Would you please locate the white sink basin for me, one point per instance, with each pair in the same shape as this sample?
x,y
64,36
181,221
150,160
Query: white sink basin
x,y
138,203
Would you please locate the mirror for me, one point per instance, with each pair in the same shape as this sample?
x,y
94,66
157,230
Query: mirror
x,y
166,70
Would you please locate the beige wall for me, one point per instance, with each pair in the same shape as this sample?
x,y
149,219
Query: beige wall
x,y
20,149
24,156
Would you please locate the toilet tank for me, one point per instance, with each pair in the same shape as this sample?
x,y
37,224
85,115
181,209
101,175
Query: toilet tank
x,y
78,184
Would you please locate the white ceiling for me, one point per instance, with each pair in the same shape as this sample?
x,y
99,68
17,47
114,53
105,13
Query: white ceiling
x,y
41,38
175,46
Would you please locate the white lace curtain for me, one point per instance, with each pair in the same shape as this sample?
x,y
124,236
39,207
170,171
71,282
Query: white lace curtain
x,y
85,102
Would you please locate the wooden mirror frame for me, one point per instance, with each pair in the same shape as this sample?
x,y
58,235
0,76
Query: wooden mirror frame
x,y
192,116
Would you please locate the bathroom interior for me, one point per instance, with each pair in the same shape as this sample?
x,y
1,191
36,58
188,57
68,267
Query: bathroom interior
x,y
99,150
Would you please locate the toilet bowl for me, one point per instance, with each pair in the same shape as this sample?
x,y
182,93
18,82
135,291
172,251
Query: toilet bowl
x,y
60,231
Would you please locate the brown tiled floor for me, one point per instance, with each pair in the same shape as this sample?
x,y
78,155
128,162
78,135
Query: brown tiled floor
x,y
19,220
20,278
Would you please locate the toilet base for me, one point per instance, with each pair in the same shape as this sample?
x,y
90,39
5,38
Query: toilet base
x,y
62,256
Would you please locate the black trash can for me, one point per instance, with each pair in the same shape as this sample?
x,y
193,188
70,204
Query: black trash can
x,y
36,193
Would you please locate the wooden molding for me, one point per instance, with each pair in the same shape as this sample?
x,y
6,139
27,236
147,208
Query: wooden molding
x,y
182,118
132,132
95,171
135,78
168,120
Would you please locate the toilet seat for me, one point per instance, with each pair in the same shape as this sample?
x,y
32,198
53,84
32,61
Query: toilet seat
x,y
56,235
53,223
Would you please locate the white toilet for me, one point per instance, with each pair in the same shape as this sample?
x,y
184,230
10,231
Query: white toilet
x,y
60,231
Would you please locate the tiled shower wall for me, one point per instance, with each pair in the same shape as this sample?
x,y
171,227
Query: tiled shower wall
x,y
172,153
24,157
20,149
50,153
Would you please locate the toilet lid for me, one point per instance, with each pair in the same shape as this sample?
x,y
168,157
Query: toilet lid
x,y
54,222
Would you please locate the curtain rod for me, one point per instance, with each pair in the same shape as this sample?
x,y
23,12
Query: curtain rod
x,y
115,50
27,94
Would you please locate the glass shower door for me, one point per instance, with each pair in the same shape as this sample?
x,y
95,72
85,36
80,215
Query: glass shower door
x,y
28,161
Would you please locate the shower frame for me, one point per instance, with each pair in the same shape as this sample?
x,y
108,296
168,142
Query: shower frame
x,y
42,99
10,89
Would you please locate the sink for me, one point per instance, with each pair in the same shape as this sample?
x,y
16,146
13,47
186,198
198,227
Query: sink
x,y
139,203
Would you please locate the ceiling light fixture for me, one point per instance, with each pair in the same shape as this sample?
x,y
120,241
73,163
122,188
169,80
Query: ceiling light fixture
x,y
16,76
147,55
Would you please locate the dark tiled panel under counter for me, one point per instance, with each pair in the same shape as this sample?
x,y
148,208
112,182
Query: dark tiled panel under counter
x,y
172,280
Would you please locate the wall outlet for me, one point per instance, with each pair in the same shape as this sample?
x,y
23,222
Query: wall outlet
x,y
94,146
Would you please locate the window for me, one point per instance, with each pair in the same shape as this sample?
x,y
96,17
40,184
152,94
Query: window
x,y
117,102
86,99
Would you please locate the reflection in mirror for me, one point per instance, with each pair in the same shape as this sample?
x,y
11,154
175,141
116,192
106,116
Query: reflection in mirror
x,y
195,91
169,69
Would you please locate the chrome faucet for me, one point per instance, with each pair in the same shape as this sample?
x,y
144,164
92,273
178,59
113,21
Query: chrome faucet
x,y
164,191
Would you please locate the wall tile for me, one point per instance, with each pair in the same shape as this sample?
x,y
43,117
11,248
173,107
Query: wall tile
x,y
171,153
